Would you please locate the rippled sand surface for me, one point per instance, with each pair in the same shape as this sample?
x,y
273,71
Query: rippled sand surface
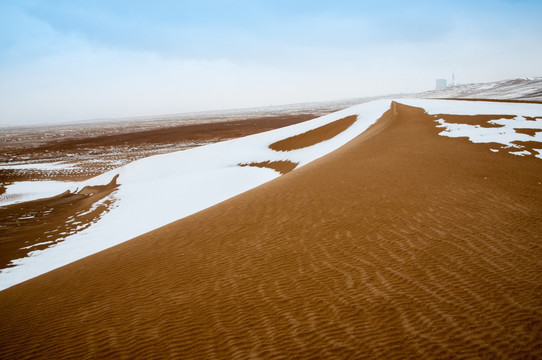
x,y
401,244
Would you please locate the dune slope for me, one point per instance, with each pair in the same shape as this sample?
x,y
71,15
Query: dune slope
x,y
400,244
157,190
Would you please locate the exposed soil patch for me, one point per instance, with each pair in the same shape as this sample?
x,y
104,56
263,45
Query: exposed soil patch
x,y
530,132
481,120
315,136
39,224
282,166
527,145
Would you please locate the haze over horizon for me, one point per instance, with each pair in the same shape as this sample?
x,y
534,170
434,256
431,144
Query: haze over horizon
x,y
75,60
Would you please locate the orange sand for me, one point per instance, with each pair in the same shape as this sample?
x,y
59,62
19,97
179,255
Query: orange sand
x,y
314,136
530,132
401,244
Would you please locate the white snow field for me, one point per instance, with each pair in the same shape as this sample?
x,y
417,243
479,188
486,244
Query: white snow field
x,y
157,190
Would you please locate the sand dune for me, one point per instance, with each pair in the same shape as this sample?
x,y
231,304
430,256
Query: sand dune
x,y
400,244
157,190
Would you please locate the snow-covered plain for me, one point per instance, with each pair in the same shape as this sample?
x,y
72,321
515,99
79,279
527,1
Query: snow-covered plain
x,y
522,88
38,166
157,190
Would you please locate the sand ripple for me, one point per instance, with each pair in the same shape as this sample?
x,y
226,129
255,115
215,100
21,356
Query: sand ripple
x,y
401,244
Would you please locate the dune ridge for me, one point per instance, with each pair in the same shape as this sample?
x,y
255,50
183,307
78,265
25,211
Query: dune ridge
x,y
400,244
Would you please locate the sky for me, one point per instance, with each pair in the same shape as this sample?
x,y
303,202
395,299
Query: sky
x,y
72,60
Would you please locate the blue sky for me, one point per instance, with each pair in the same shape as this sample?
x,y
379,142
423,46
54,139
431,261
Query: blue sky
x,y
73,60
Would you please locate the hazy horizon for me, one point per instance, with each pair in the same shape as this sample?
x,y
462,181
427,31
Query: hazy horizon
x,y
76,60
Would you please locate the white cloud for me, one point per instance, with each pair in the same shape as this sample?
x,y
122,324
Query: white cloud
x,y
47,75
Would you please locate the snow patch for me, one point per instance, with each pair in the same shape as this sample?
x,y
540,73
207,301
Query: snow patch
x,y
505,134
37,166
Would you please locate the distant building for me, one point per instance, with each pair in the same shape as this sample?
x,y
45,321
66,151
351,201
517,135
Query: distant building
x,y
441,84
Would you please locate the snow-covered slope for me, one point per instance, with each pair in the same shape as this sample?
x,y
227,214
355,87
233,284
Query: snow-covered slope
x,y
157,190
514,89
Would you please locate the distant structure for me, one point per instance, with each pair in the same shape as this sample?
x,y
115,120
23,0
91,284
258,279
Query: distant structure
x,y
441,84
